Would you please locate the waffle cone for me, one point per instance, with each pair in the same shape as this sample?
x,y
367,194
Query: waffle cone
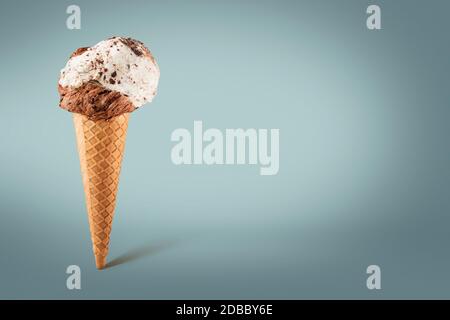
x,y
101,145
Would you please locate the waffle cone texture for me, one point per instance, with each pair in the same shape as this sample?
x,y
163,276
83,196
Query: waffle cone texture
x,y
101,145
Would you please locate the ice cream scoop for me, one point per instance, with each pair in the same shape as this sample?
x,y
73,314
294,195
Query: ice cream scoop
x,y
114,76
101,85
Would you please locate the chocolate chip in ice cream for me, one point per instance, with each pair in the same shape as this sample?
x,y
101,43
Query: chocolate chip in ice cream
x,y
136,46
79,51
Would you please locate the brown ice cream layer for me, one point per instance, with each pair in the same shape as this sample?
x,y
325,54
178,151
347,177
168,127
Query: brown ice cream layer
x,y
94,101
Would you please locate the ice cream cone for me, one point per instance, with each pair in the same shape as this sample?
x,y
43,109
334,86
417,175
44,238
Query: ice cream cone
x,y
101,85
101,146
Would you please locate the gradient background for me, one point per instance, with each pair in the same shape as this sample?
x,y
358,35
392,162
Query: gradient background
x,y
364,152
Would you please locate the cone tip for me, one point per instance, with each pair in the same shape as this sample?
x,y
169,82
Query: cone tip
x,y
100,262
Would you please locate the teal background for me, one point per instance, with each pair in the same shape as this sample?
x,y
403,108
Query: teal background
x,y
364,153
